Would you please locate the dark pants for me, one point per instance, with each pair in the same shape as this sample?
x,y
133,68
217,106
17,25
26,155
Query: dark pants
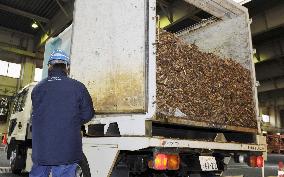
x,y
57,171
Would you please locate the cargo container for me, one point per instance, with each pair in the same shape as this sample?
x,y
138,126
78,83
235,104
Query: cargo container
x,y
115,58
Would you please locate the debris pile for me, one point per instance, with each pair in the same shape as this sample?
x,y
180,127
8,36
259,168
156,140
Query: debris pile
x,y
201,86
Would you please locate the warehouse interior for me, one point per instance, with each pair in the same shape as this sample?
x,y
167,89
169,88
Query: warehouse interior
x,y
22,45
26,26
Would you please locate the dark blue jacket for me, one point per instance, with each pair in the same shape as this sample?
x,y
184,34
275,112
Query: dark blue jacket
x,y
60,106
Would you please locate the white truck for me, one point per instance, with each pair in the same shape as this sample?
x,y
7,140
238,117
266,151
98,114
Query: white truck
x,y
113,52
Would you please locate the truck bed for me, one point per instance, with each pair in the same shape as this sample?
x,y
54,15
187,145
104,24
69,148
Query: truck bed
x,y
118,64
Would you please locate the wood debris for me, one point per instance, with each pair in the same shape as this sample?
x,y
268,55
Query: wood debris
x,y
201,86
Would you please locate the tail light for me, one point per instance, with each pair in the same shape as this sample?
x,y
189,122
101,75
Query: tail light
x,y
259,161
256,161
165,162
160,162
173,162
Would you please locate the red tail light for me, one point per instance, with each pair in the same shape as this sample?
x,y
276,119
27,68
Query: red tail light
x,y
165,162
259,161
256,161
160,162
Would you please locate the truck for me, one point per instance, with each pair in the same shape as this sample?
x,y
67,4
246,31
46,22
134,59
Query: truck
x,y
114,54
4,112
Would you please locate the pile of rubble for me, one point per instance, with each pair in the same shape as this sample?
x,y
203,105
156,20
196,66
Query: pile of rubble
x,y
201,86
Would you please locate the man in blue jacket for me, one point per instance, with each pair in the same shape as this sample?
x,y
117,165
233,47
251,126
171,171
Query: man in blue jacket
x,y
60,106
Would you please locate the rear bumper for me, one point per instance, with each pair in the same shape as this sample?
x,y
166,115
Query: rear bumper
x,y
137,143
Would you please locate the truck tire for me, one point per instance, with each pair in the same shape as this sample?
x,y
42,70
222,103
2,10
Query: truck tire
x,y
83,169
14,161
121,172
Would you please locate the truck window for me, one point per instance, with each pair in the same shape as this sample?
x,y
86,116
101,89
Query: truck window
x,y
19,101
4,109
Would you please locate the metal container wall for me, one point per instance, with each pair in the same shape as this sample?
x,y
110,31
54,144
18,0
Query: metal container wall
x,y
108,53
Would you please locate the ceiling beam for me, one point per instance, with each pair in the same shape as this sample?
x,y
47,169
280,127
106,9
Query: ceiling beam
x,y
267,20
18,33
23,13
272,84
56,24
270,69
20,52
62,8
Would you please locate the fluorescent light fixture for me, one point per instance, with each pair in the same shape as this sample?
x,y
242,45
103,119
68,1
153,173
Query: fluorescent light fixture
x,y
265,118
34,25
242,1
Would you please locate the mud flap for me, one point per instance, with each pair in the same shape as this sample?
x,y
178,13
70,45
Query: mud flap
x,y
101,158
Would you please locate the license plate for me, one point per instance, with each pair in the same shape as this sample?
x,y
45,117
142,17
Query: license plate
x,y
208,163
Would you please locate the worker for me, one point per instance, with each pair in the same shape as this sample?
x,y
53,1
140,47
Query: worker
x,y
60,106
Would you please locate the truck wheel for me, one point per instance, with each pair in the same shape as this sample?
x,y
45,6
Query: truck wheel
x,y
14,162
83,169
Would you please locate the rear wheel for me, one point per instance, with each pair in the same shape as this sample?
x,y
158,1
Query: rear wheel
x,y
16,161
83,169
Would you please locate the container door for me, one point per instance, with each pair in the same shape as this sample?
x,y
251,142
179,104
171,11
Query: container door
x,y
108,53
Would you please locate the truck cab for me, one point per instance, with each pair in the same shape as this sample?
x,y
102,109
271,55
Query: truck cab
x,y
19,131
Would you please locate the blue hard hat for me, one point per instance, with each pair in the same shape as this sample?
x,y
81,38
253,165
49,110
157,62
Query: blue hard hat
x,y
58,56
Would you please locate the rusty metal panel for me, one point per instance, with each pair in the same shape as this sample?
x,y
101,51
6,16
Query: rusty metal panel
x,y
108,53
